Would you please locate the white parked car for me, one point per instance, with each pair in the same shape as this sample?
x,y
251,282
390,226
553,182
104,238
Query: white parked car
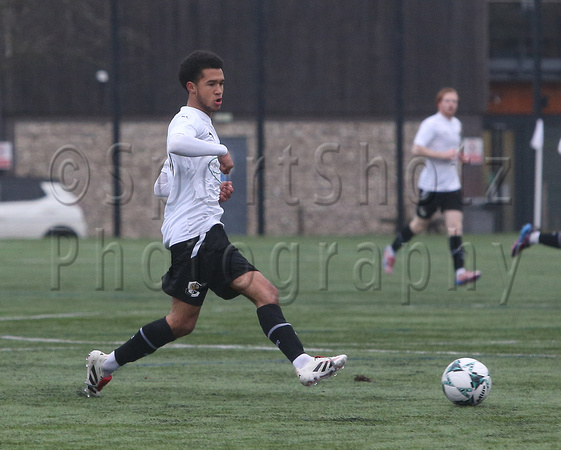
x,y
35,208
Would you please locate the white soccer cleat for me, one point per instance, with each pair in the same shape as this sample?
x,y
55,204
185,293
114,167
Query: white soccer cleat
x,y
320,368
388,259
467,276
95,381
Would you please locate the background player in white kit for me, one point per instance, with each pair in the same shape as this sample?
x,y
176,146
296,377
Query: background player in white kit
x,y
202,257
438,140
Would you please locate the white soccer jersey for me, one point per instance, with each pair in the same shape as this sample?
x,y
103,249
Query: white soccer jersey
x,y
439,133
164,182
193,148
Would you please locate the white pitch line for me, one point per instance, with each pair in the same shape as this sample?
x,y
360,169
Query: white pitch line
x,y
47,316
174,345
272,348
39,339
424,352
221,347
31,349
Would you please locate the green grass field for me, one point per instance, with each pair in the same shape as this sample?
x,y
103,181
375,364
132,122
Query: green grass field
x,y
227,386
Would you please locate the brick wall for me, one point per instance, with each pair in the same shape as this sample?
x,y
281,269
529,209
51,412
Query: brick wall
x,y
299,200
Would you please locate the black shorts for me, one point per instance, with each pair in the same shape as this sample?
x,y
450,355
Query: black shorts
x,y
430,202
217,263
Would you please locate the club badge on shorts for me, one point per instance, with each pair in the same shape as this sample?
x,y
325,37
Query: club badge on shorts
x,y
193,288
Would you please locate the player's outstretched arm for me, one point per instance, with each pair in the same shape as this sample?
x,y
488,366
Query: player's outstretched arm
x,y
185,145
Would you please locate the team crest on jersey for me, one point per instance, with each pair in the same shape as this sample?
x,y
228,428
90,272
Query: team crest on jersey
x,y
193,288
214,168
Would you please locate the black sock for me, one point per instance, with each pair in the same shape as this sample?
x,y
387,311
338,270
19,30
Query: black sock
x,y
403,236
279,331
457,251
550,239
148,339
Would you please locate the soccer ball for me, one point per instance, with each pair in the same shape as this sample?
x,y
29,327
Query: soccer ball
x,y
466,382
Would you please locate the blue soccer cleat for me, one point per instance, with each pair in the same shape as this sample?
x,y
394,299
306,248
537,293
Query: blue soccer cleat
x,y
523,240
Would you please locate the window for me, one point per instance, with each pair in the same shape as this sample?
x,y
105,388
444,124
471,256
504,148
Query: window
x,y
20,189
511,52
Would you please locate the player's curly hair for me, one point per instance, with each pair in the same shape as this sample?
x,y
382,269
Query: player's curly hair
x,y
191,69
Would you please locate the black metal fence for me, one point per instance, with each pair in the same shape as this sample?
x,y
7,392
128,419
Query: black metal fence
x,y
323,58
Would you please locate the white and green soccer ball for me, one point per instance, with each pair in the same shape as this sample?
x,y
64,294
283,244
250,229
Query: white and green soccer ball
x,y
466,382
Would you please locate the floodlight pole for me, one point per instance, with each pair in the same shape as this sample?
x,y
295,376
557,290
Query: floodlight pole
x,y
260,34
2,100
399,114
537,106
116,111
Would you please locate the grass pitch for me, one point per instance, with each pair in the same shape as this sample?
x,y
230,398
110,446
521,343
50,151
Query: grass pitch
x,y
227,386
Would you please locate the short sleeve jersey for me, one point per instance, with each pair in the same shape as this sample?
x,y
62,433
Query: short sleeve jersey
x,y
440,134
193,205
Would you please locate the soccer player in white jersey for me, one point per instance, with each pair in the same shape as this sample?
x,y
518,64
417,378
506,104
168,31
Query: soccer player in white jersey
x,y
438,140
202,257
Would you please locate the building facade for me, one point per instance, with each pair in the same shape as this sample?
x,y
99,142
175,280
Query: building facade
x,y
331,81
